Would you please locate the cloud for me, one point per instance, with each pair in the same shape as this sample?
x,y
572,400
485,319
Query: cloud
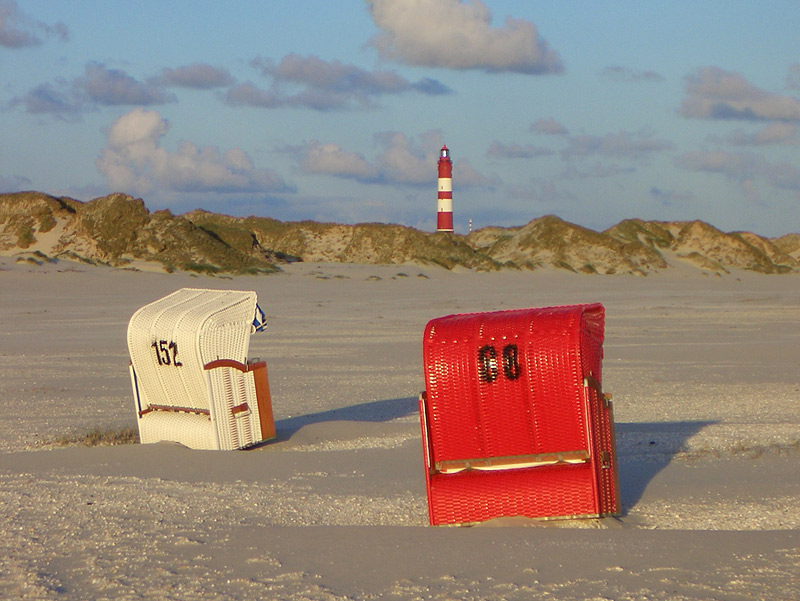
x,y
742,167
622,144
782,175
549,127
734,165
99,86
406,161
133,161
626,74
793,77
331,159
15,183
779,133
249,94
17,30
458,35
334,75
498,150
466,176
113,87
668,197
310,82
196,76
401,160
542,191
596,171
48,98
431,87
713,93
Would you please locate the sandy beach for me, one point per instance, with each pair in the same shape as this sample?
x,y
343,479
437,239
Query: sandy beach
x,y
703,372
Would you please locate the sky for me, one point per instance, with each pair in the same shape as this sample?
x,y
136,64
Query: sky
x,y
336,111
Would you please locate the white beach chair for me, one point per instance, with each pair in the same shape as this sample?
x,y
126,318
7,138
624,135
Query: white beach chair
x,y
192,381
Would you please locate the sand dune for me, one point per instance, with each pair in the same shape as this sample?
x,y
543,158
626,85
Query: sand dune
x,y
707,401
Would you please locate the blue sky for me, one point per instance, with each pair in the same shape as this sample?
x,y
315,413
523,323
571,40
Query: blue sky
x,y
335,111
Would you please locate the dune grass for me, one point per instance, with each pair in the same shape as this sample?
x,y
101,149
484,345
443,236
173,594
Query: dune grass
x,y
99,437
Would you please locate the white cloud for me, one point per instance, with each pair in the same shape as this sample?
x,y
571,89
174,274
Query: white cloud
x,y
628,75
331,159
621,144
734,165
17,30
542,191
133,161
15,183
549,127
51,99
458,35
310,82
99,86
778,133
197,76
498,150
401,160
249,94
465,175
668,198
743,167
596,170
713,93
115,87
793,77
405,161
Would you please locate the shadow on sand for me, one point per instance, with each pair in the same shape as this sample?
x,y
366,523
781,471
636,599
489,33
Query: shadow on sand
x,y
644,449
374,411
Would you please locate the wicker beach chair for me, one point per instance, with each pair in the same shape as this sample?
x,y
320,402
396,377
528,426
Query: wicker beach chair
x,y
514,420
192,381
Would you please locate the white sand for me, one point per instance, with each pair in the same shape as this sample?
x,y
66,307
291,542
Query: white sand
x,y
704,372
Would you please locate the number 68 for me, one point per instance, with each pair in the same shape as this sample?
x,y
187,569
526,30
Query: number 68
x,y
487,363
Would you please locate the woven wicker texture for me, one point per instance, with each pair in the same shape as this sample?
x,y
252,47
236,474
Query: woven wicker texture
x,y
171,342
536,492
512,384
191,430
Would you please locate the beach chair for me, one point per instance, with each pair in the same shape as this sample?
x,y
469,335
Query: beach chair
x,y
514,420
192,381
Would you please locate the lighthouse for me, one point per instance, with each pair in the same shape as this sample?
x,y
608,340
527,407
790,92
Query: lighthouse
x,y
444,203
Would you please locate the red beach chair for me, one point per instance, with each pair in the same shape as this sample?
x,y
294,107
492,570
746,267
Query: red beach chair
x,y
514,420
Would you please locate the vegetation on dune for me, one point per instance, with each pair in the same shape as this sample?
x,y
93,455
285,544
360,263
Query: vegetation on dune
x,y
118,230
550,240
651,234
728,250
97,437
26,213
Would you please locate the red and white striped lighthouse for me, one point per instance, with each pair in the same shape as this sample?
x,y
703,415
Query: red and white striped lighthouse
x,y
444,205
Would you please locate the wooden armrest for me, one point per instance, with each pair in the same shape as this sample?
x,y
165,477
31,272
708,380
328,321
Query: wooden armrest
x,y
226,363
242,367
452,466
174,409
